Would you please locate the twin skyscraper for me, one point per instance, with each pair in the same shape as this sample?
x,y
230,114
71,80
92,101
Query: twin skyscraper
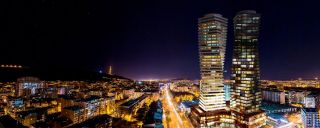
x,y
244,108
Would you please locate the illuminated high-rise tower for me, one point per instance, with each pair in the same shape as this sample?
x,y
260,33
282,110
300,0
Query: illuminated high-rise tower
x,y
246,93
212,36
212,31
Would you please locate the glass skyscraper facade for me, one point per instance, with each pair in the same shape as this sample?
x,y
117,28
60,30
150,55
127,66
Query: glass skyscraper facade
x,y
212,31
212,109
227,93
246,94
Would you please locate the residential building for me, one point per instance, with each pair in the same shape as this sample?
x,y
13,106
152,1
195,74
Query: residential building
x,y
275,96
310,118
27,86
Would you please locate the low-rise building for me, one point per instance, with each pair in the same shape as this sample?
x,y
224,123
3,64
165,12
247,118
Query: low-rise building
x,y
296,97
75,113
154,116
277,108
15,105
93,105
186,106
310,101
27,86
128,109
275,96
33,115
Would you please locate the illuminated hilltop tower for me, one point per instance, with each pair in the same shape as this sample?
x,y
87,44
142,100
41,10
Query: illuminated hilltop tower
x,y
246,94
110,70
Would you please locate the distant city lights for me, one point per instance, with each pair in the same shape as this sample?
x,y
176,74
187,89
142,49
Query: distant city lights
x,y
10,66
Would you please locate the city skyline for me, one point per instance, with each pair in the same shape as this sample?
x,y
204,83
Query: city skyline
x,y
164,37
160,64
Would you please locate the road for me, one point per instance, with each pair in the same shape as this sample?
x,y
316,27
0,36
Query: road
x,y
172,116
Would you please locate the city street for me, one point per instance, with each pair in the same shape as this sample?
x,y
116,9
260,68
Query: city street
x,y
172,119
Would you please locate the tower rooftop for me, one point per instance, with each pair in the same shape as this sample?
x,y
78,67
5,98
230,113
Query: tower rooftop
x,y
247,12
213,15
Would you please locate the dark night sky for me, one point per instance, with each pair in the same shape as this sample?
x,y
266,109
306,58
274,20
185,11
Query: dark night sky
x,y
154,39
